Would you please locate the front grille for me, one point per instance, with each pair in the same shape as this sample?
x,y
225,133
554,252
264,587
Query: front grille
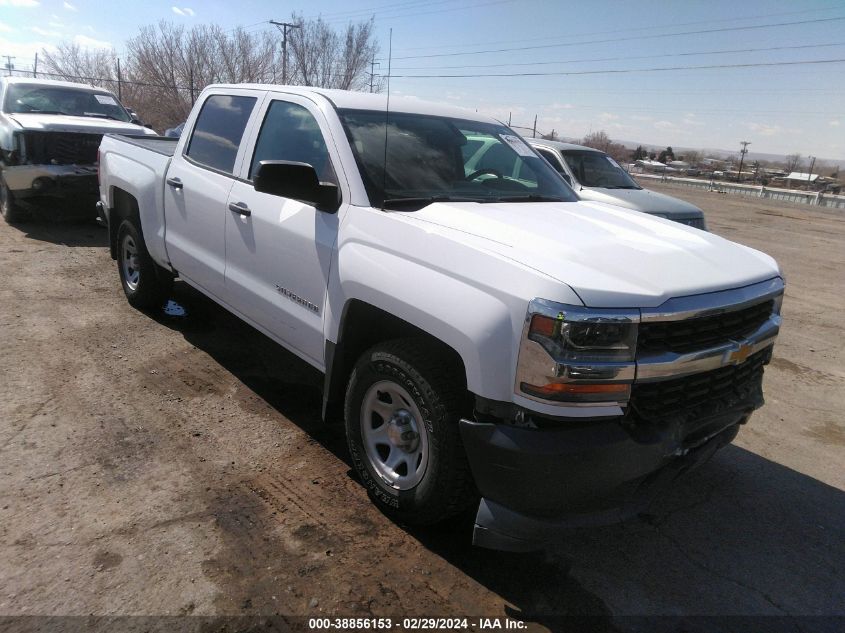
x,y
61,148
705,394
703,332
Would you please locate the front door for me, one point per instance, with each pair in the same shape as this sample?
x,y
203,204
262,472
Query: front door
x,y
279,250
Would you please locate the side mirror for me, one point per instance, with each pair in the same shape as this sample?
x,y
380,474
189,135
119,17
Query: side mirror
x,y
137,121
299,181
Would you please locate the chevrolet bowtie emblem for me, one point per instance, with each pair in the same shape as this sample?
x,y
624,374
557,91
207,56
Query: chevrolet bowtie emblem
x,y
740,354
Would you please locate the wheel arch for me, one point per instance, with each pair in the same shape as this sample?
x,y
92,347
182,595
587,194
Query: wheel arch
x,y
363,325
124,207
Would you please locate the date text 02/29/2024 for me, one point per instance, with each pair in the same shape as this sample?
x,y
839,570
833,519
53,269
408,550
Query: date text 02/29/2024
x,y
414,624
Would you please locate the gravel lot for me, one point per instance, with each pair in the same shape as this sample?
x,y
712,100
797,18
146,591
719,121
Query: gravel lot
x,y
153,465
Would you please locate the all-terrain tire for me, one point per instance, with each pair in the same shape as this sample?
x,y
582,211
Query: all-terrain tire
x,y
434,383
146,284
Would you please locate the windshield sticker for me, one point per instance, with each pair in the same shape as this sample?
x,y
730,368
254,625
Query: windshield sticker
x,y
516,144
612,162
105,100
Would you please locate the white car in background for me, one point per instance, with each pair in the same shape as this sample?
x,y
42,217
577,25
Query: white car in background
x,y
596,176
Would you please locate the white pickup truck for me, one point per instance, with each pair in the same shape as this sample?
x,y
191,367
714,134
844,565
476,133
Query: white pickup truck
x,y
491,340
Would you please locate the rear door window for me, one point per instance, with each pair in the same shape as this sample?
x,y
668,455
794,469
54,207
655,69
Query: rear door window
x,y
218,131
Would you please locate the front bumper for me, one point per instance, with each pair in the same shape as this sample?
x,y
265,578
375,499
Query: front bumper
x,y
32,183
535,482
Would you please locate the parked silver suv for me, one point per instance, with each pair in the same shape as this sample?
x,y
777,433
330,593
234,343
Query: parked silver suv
x,y
596,176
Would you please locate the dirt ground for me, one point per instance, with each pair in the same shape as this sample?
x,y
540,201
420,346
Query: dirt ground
x,y
151,465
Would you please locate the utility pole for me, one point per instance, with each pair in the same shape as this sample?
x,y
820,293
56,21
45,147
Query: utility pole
x,y
284,29
509,118
373,65
742,154
35,67
534,133
810,175
119,82
9,66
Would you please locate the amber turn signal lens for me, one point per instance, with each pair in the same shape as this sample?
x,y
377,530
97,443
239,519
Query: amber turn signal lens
x,y
575,388
542,325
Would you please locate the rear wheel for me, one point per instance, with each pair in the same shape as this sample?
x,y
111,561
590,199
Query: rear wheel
x,y
145,283
9,209
403,404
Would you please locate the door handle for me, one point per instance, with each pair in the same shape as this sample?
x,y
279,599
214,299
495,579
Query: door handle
x,y
240,207
176,183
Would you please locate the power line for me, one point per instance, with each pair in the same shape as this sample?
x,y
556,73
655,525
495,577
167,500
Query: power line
x,y
625,58
639,28
396,6
622,39
626,70
410,15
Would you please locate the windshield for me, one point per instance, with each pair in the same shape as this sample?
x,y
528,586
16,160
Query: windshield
x,y
21,98
433,158
594,169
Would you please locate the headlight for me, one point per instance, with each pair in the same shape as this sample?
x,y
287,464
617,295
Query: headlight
x,y
576,354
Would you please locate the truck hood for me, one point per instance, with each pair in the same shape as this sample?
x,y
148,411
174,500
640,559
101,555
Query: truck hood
x,y
609,256
62,123
642,200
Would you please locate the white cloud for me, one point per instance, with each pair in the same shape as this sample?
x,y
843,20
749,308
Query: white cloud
x,y
561,106
4,28
184,11
69,7
26,4
664,125
23,51
607,116
44,32
835,123
89,42
56,25
765,130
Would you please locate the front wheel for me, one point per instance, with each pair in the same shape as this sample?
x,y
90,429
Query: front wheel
x,y
9,209
145,283
403,404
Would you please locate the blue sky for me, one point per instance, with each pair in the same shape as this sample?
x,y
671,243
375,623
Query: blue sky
x,y
779,108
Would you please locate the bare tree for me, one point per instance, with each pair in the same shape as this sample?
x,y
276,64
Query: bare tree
x,y
601,141
793,163
319,56
693,157
166,66
597,140
71,62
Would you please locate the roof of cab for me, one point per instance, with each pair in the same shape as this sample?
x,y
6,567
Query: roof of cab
x,y
353,100
52,82
561,145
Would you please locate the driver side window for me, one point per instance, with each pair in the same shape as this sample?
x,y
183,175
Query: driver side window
x,y
290,132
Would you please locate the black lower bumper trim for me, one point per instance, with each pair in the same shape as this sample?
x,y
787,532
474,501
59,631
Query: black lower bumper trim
x,y
501,528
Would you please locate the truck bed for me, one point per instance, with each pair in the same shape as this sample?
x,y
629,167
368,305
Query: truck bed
x,y
159,144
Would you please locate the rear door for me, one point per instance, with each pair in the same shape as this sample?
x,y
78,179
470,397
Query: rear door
x,y
197,187
279,250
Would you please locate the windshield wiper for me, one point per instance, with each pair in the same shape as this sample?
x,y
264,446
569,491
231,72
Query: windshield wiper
x,y
100,115
419,203
44,112
533,197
